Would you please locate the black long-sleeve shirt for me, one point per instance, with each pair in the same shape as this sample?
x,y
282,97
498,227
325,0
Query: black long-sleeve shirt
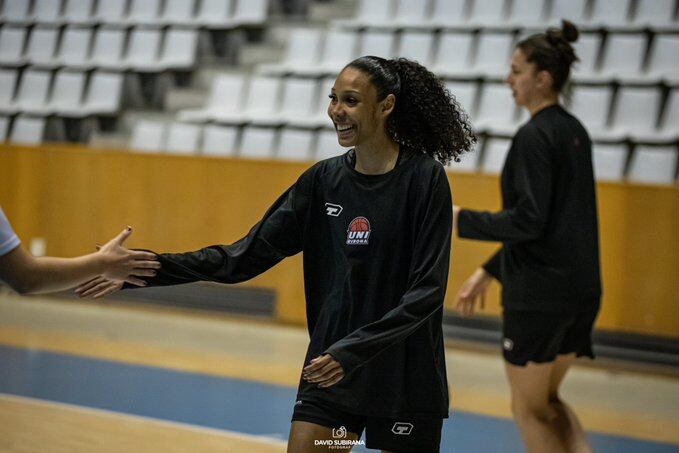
x,y
376,257
548,225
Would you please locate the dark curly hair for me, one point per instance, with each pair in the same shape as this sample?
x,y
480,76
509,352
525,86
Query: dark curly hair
x,y
426,117
551,51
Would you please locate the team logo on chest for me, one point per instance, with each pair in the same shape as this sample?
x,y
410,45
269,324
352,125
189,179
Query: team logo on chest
x,y
358,231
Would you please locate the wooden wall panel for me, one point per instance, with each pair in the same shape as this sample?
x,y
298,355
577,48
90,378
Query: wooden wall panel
x,y
74,197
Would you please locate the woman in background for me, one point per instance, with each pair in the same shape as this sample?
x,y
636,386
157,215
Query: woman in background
x,y
549,262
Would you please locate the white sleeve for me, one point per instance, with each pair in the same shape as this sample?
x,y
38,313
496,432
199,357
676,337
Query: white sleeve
x,y
8,238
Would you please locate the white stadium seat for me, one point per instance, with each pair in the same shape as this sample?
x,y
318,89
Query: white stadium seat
x,y
8,82
417,46
78,12
587,48
488,12
178,12
214,12
591,105
299,96
46,11
143,12
180,47
610,13
448,13
148,135
104,93
219,140
182,138
623,56
12,41
573,10
143,51
250,12
67,93
663,62
609,161
75,46
494,155
111,10
454,54
636,111
378,43
371,13
34,89
257,142
493,53
42,43
295,144
109,47
496,111
224,100
27,130
528,13
411,12
16,11
653,165
302,51
655,13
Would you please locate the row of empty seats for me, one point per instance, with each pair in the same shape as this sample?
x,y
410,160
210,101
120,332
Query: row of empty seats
x,y
202,13
65,93
619,14
628,57
628,112
143,49
612,162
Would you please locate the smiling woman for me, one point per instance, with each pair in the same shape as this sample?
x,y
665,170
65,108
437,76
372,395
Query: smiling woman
x,y
374,226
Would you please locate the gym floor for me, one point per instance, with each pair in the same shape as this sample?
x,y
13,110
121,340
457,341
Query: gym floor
x,y
92,376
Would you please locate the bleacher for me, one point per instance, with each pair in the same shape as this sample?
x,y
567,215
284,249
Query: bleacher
x,y
85,59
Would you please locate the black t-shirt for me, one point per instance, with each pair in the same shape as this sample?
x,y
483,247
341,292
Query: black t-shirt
x,y
548,225
376,257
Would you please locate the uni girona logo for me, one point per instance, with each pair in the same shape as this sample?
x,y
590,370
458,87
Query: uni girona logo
x,y
358,231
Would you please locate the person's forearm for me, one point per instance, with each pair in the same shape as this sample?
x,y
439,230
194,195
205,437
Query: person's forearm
x,y
27,274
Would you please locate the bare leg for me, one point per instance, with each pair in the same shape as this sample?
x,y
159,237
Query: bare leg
x,y
532,411
304,434
567,422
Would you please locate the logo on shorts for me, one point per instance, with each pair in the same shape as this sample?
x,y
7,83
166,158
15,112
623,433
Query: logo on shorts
x,y
333,210
402,428
339,433
358,231
507,344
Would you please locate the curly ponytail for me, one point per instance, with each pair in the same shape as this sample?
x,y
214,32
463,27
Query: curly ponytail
x,y
426,117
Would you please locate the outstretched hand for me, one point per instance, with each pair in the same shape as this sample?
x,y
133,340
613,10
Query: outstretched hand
x,y
123,264
324,370
119,265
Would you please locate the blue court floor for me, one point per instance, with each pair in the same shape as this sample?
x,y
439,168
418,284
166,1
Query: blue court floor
x,y
226,403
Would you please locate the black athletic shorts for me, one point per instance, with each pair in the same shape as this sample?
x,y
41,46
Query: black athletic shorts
x,y
530,336
401,435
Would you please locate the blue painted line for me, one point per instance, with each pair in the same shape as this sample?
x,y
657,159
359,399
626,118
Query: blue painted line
x,y
226,403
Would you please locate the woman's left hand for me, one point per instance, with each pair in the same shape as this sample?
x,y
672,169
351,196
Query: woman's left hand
x,y
323,370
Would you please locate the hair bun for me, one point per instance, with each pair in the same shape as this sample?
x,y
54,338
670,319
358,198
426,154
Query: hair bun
x,y
569,31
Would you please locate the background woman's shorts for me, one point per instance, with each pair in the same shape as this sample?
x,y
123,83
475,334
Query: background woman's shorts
x,y
530,336
400,435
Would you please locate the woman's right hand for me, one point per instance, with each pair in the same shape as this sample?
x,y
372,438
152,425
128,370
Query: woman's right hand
x,y
474,288
121,264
